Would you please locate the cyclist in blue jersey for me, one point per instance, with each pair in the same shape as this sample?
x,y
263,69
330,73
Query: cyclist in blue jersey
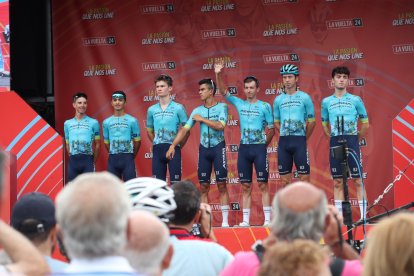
x,y
82,139
212,117
122,139
347,108
294,117
255,116
163,122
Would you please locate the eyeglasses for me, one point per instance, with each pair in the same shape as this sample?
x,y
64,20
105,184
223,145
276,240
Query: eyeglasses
x,y
212,85
118,96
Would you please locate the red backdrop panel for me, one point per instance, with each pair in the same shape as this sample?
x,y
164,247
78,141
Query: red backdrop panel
x,y
37,147
111,45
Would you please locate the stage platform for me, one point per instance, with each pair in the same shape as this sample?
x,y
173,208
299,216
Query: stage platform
x,y
242,238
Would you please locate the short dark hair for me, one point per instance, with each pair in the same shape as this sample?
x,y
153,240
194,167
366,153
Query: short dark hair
x,y
164,77
250,79
210,83
340,70
119,92
188,200
79,95
37,237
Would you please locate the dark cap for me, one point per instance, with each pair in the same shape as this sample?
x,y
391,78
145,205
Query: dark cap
x,y
37,207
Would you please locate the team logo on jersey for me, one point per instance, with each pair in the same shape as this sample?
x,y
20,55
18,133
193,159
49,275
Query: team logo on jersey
x,y
231,121
354,82
346,54
229,62
280,29
272,2
344,23
275,88
406,18
97,70
97,14
403,49
218,5
158,38
97,41
218,33
280,58
162,65
161,8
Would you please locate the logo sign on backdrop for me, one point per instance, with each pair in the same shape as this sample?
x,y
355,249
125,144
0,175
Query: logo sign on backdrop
x,y
113,45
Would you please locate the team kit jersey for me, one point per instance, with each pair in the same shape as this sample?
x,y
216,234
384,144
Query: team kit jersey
x,y
165,125
80,134
210,137
212,148
292,112
351,109
120,132
254,118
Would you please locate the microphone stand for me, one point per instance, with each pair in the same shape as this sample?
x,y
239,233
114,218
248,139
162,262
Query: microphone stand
x,y
341,155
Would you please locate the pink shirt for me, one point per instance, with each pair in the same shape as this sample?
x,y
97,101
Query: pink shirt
x,y
244,264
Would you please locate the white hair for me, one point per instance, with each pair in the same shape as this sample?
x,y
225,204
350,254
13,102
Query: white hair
x,y
93,213
148,245
288,225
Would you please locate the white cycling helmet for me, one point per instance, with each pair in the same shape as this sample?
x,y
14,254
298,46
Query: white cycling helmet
x,y
153,195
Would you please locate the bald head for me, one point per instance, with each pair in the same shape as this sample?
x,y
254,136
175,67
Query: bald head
x,y
299,212
300,197
146,230
148,243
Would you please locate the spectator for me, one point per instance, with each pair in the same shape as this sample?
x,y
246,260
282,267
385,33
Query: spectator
x,y
33,215
193,256
300,211
92,214
25,258
390,248
299,258
149,250
190,212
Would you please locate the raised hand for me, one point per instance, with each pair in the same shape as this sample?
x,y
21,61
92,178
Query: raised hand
x,y
218,65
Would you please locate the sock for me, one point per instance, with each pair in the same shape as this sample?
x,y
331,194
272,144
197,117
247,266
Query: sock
x,y
338,205
246,215
363,208
267,210
225,213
